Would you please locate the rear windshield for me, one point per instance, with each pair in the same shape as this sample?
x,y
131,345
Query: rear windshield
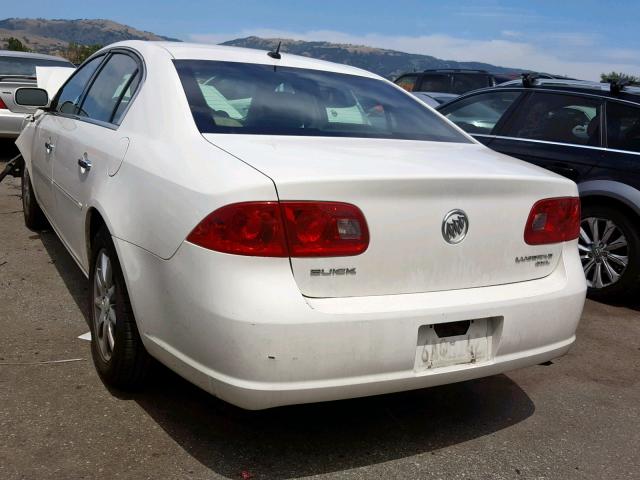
x,y
229,97
27,66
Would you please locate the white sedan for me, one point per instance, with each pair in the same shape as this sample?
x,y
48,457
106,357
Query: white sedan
x,y
287,230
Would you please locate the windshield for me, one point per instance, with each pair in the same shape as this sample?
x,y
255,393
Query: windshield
x,y
228,97
27,66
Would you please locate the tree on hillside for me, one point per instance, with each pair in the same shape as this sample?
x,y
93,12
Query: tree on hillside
x,y
617,76
14,44
77,53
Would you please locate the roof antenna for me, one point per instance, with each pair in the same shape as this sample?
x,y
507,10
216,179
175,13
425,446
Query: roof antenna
x,y
276,54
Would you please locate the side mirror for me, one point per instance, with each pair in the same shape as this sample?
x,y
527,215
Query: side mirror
x,y
31,97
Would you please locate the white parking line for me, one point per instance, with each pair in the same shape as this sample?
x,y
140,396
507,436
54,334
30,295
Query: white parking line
x,y
85,336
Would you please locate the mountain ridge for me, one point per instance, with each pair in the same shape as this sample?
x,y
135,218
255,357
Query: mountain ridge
x,y
53,36
385,62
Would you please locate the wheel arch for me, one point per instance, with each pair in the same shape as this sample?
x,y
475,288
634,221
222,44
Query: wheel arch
x,y
94,220
612,193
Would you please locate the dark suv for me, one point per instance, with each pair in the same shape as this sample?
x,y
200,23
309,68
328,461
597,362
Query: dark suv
x,y
588,132
456,81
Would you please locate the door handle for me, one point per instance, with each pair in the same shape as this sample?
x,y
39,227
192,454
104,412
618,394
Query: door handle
x,y
84,163
48,146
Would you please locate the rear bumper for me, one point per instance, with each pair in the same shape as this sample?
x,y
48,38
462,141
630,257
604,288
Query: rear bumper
x,y
239,328
11,123
255,396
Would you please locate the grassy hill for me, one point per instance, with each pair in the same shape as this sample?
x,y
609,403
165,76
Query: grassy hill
x,y
54,36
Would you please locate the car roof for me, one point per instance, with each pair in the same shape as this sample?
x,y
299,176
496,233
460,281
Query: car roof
x,y
454,70
40,56
197,51
601,89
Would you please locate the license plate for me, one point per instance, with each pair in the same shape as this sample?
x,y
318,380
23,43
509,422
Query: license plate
x,y
473,346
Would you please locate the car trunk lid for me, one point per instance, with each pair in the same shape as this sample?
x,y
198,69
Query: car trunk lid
x,y
405,190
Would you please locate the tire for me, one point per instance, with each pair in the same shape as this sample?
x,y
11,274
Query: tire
x,y
619,243
123,363
34,218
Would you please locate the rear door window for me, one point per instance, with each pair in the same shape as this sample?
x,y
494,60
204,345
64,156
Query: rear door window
x,y
553,117
623,127
480,113
112,86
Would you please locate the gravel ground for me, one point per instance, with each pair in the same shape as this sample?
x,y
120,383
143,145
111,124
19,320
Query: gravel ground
x,y
577,418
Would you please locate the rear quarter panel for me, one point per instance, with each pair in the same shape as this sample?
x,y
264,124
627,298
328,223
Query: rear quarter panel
x,y
171,178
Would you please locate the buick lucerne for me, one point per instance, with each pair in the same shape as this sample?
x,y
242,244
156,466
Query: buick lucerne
x,y
281,230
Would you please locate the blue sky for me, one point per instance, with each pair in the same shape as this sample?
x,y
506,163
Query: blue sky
x,y
580,38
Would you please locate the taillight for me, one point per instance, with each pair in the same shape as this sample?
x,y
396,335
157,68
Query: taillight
x,y
3,106
553,220
324,229
296,229
251,228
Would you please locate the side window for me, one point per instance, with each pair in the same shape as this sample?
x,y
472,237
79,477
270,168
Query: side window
x,y
623,127
436,82
480,113
127,93
465,82
69,97
558,118
112,88
408,82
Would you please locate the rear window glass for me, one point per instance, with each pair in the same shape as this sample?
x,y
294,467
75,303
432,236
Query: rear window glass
x,y
558,118
27,66
229,97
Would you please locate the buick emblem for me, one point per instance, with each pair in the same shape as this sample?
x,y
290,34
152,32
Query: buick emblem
x,y
455,226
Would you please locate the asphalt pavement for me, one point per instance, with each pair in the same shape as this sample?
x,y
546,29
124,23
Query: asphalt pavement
x,y
576,418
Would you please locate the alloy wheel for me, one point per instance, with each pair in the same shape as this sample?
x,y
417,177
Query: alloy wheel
x,y
604,251
104,312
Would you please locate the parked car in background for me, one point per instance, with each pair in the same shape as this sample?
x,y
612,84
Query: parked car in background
x,y
18,69
454,81
588,132
434,99
285,230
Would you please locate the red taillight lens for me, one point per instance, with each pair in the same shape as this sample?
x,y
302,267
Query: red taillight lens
x,y
296,229
252,228
324,229
553,220
3,106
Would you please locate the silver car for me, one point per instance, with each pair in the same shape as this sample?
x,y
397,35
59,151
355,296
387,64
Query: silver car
x,y
18,69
